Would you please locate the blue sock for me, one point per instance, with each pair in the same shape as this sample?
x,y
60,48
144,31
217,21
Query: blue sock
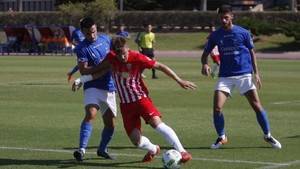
x,y
106,136
263,121
219,123
85,133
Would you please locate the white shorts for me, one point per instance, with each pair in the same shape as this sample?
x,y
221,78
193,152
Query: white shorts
x,y
103,98
244,83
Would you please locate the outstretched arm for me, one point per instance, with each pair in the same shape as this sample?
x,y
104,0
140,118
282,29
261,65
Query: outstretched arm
x,y
168,71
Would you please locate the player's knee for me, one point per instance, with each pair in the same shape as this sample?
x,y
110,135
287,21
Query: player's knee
x,y
217,109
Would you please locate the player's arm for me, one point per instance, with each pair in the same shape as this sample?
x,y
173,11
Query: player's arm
x,y
168,71
85,69
99,71
206,70
255,69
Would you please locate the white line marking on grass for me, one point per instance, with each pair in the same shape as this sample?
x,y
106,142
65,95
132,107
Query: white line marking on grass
x,y
140,155
286,102
283,165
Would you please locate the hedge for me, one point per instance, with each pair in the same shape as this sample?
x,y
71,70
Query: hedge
x,y
183,19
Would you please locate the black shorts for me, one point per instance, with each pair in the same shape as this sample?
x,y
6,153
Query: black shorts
x,y
148,52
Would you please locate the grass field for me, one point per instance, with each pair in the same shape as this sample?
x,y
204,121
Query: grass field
x,y
196,41
40,118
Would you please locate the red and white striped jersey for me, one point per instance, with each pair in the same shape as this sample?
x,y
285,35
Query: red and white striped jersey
x,y
127,76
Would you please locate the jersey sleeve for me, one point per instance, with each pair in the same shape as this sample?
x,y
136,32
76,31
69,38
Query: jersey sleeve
x,y
210,44
249,41
81,56
145,61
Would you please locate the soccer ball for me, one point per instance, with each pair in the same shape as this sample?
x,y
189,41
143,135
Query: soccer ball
x,y
171,159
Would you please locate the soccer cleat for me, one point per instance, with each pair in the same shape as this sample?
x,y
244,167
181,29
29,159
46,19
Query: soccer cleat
x,y
219,142
105,155
185,157
78,155
149,156
274,143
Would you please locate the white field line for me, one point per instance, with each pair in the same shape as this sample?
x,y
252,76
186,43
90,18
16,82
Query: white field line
x,y
286,102
281,166
137,155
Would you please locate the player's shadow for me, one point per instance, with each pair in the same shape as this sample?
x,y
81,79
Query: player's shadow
x,y
292,137
70,163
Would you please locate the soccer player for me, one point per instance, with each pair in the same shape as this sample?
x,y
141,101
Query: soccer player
x,y
145,41
122,32
99,94
127,66
237,64
77,37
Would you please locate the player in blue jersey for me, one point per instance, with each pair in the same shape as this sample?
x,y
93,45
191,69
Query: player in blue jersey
x,y
76,37
99,94
237,64
122,32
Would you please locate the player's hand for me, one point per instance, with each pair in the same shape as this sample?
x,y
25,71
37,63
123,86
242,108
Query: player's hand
x,y
206,70
70,78
187,84
257,81
76,85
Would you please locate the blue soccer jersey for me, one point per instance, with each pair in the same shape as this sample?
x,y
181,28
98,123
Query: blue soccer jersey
x,y
123,34
94,53
77,36
234,47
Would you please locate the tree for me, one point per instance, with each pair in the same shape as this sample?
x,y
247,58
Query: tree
x,y
101,10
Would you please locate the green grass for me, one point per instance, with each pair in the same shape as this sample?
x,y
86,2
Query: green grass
x,y
38,111
196,41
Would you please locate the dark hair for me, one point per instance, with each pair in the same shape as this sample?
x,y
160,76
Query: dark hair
x,y
225,9
117,43
86,22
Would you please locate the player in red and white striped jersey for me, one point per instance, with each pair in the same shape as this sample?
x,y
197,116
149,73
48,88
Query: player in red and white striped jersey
x,y
127,66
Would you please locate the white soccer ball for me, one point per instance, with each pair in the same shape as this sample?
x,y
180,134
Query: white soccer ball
x,y
171,159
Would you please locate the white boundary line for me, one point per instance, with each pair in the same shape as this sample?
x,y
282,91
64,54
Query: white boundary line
x,y
269,165
279,166
286,102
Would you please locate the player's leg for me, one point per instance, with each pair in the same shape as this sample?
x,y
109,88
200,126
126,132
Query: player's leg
x,y
108,109
107,134
86,130
220,98
144,143
151,56
169,134
132,125
261,116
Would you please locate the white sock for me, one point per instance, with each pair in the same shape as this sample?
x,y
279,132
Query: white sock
x,y
170,135
147,145
83,150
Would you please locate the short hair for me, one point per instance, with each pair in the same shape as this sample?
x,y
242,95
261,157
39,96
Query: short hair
x,y
118,42
225,9
87,22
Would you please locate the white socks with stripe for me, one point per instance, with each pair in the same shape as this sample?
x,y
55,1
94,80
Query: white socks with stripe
x,y
170,135
147,145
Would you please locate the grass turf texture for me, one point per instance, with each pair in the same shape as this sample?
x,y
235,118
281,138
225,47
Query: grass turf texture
x,y
38,111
